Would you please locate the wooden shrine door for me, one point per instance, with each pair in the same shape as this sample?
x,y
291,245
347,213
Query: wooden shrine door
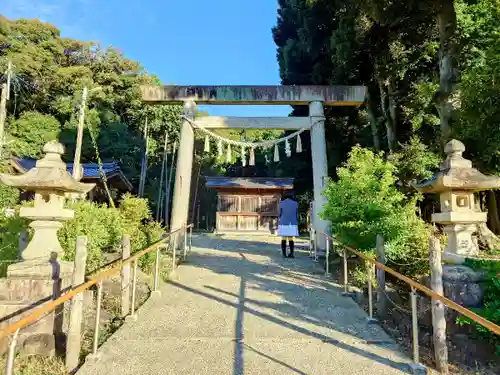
x,y
247,212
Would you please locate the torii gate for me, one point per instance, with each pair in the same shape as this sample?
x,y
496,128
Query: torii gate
x,y
314,96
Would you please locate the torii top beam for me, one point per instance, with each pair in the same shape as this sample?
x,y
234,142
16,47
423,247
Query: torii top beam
x,y
286,95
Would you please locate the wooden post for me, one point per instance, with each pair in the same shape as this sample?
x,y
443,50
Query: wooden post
x,y
3,115
198,216
76,314
184,169
144,162
9,78
169,184
381,297
4,97
125,276
438,310
195,197
79,136
238,218
159,208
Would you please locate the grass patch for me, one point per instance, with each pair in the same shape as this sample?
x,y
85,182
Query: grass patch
x,y
31,365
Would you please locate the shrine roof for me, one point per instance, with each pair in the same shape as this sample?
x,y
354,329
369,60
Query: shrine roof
x,y
90,170
249,182
458,179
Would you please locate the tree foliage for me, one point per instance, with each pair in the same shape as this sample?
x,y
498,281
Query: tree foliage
x,y
365,201
430,68
394,49
103,227
50,73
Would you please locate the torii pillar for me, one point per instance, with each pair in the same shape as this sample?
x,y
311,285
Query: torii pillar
x,y
319,168
183,174
316,97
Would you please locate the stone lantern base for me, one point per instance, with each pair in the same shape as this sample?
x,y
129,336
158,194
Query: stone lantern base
x,y
28,285
462,285
461,243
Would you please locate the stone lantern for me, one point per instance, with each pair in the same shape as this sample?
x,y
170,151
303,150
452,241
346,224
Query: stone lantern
x,y
41,274
456,182
51,183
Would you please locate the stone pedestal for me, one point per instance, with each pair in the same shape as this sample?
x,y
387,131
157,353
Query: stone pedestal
x,y
29,285
463,285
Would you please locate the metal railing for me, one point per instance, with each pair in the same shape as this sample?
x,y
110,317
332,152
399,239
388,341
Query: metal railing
x,y
372,264
97,279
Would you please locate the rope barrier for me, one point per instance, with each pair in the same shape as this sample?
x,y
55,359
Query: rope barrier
x,y
422,288
250,145
263,144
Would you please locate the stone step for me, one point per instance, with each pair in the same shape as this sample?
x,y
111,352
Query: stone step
x,y
37,337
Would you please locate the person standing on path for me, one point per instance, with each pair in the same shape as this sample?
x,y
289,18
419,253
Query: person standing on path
x,y
288,222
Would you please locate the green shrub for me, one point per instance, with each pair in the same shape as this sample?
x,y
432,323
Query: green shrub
x,y
10,229
152,233
101,225
104,228
9,196
365,201
134,215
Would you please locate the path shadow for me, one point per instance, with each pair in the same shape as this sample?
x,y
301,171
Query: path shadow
x,y
238,367
238,363
244,245
292,292
291,281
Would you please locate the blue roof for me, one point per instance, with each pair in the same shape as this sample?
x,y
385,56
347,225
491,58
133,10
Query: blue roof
x,y
249,182
90,170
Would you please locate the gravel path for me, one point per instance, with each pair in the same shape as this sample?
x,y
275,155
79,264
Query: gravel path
x,y
237,307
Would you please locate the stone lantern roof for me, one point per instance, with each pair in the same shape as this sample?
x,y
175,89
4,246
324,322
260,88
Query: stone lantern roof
x,y
456,173
49,174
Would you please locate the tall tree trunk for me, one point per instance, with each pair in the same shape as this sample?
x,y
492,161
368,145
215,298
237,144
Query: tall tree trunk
x,y
372,117
493,219
195,195
448,77
389,124
392,105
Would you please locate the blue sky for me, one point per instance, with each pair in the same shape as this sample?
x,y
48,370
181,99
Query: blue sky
x,y
183,42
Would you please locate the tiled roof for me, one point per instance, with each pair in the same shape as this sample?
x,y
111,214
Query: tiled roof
x,y
90,170
249,182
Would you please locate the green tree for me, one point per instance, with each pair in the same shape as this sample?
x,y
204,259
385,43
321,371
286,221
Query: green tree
x,y
50,73
30,132
365,201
